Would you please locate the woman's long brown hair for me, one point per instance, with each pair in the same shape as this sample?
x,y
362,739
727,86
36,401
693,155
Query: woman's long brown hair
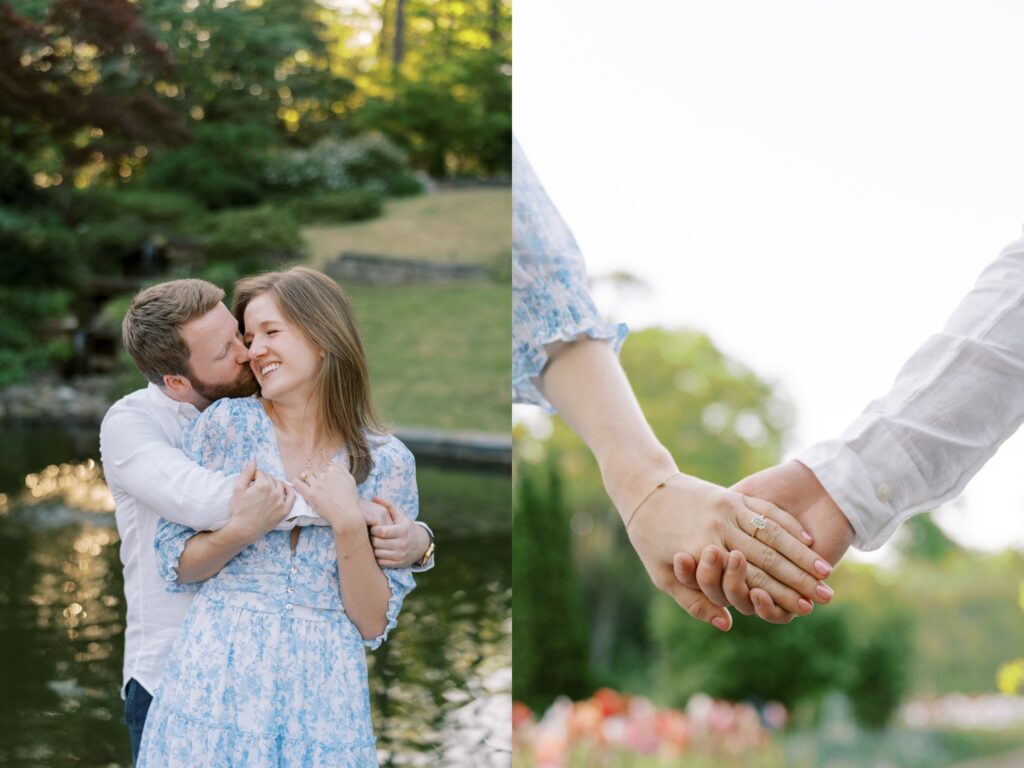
x,y
316,305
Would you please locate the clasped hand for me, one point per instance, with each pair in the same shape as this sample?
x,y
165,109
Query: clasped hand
x,y
262,502
678,523
725,578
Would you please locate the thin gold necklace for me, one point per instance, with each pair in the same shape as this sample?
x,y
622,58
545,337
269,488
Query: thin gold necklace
x,y
309,459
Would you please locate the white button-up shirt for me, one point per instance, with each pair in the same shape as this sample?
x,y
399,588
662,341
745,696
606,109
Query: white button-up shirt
x,y
952,405
150,477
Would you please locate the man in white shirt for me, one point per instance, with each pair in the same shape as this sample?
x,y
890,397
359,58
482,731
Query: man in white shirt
x,y
954,402
187,343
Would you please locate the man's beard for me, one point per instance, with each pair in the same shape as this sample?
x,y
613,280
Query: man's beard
x,y
243,386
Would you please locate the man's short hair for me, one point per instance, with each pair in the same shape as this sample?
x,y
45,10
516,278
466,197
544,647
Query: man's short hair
x,y
151,330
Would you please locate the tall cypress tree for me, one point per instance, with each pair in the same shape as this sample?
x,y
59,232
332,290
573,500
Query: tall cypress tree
x,y
550,653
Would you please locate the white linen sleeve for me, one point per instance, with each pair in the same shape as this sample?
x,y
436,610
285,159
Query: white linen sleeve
x,y
138,459
952,405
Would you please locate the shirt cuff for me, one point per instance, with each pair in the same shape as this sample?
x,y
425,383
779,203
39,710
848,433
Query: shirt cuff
x,y
869,476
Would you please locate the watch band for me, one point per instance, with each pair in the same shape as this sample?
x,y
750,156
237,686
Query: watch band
x,y
431,547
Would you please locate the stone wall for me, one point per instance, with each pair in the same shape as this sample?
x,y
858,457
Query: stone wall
x,y
49,400
389,270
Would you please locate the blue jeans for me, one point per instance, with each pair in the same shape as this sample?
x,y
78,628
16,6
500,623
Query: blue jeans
x,y
136,706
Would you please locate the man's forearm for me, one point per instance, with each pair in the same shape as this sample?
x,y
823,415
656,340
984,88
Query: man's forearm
x,y
956,399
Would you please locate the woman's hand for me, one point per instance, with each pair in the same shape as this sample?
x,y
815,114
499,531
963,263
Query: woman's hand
x,y
687,515
332,494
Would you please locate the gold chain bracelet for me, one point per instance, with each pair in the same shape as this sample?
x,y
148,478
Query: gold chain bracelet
x,y
643,501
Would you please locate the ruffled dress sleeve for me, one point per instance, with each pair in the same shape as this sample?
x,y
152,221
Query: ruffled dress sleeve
x,y
395,472
205,442
550,300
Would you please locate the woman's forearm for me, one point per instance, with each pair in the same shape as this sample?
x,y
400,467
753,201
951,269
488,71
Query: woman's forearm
x,y
209,551
364,587
587,386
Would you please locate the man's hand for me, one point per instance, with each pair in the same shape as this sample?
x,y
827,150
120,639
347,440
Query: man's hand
x,y
399,542
797,490
374,513
258,504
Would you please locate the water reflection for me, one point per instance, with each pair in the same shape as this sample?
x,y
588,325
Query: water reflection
x,y
440,687
80,486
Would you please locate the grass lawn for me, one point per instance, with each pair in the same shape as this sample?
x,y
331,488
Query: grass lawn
x,y
470,226
439,354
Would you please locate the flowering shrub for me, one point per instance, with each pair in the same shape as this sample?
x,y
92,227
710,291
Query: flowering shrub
x,y
369,161
610,728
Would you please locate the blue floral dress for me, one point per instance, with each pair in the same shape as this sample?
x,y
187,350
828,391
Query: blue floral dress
x,y
550,300
269,670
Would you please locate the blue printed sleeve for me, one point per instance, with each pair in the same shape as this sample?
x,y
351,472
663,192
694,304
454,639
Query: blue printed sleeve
x,y
394,472
170,542
550,300
205,441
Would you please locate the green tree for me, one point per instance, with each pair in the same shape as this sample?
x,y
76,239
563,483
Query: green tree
x,y
921,539
794,663
549,640
880,676
79,87
265,64
441,83
222,167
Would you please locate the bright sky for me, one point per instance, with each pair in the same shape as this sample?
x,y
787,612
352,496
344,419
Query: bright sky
x,y
813,184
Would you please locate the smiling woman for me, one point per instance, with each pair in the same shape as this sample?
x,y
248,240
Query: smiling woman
x,y
309,595
306,315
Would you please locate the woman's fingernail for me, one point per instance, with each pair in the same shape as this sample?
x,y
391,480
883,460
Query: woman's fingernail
x,y
733,563
822,567
719,623
805,605
824,591
806,537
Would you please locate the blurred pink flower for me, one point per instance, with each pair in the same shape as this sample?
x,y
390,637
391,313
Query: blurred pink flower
x,y
610,725
775,715
522,716
674,729
721,716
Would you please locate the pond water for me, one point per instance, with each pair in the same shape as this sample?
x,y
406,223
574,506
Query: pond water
x,y
440,687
